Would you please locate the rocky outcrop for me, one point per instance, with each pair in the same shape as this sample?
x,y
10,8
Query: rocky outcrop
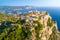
x,y
33,25
49,30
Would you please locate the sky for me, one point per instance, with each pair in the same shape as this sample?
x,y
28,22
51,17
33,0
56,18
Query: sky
x,y
46,3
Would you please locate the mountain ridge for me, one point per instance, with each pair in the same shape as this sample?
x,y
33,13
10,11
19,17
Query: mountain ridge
x,y
33,25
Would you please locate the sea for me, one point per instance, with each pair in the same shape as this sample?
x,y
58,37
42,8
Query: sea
x,y
53,11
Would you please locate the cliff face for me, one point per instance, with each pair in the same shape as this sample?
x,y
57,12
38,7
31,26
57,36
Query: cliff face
x,y
46,30
33,25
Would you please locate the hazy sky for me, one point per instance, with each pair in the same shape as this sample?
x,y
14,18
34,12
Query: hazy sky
x,y
48,3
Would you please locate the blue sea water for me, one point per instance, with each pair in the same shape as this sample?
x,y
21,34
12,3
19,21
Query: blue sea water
x,y
53,11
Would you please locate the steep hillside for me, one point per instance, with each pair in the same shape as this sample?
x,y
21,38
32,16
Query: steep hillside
x,y
33,25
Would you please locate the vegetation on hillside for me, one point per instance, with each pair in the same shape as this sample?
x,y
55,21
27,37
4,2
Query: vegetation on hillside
x,y
22,28
14,29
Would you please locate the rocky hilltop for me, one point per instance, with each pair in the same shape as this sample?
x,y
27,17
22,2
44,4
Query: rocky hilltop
x,y
33,25
43,27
